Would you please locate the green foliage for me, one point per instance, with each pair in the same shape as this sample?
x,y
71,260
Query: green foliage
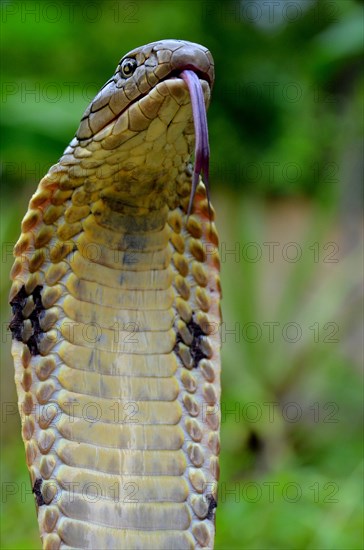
x,y
291,460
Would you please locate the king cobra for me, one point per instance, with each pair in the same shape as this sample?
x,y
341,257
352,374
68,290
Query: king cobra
x,y
116,316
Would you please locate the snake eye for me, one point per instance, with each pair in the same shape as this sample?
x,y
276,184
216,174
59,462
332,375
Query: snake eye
x,y
128,66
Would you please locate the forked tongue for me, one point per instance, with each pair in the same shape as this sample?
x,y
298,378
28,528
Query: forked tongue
x,y
202,149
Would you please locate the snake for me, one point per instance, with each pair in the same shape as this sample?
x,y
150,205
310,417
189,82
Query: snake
x,y
116,312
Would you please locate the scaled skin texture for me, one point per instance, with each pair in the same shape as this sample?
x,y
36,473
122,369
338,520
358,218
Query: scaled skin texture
x,y
116,317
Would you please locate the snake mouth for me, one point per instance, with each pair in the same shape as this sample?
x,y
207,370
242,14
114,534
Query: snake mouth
x,y
177,73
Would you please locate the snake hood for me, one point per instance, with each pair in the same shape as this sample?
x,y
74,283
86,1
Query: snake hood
x,y
115,326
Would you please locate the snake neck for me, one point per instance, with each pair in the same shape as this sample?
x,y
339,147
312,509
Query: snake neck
x,y
115,300
135,165
119,189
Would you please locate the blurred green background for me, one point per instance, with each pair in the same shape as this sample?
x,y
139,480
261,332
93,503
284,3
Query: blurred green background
x,y
286,167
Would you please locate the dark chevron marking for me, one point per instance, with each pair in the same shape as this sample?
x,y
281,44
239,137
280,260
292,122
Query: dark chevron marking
x,y
16,323
197,332
196,351
212,506
37,492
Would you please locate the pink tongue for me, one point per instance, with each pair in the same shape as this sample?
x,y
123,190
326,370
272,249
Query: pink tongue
x,y
202,150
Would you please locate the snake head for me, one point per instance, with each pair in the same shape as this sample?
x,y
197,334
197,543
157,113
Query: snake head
x,y
137,73
158,95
